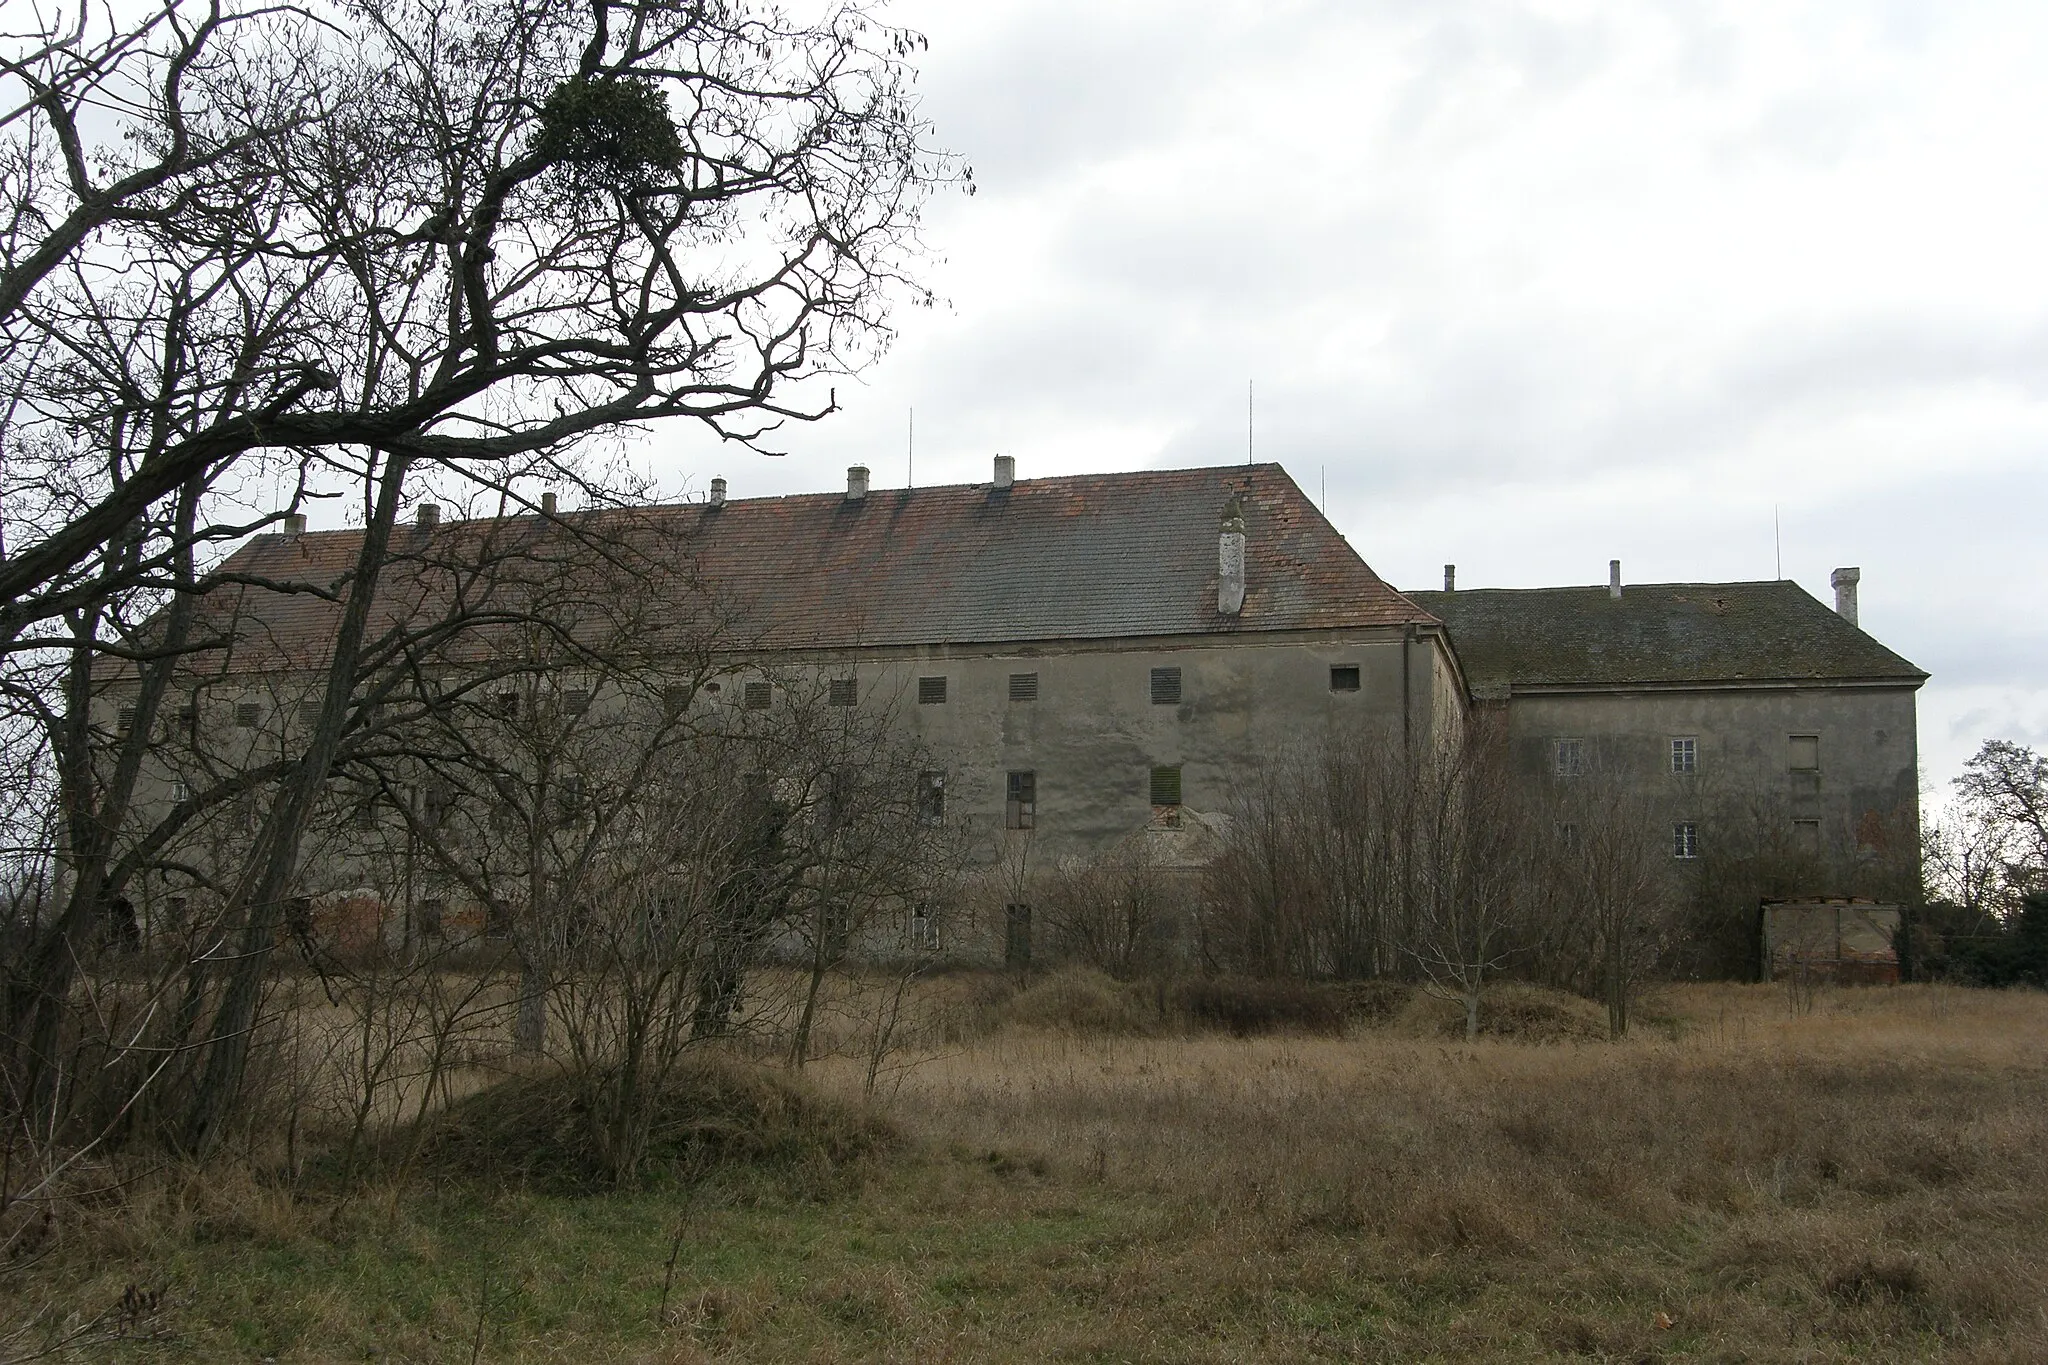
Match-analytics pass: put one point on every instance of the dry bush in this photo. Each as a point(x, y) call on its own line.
point(1083, 1000)
point(1514, 1012)
point(712, 1114)
point(1244, 1006)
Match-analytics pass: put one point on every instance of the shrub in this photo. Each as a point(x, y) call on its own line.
point(1082, 1000)
point(1244, 1006)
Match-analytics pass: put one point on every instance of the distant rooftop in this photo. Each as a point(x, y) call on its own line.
point(1657, 634)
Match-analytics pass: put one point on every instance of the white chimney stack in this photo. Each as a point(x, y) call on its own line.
point(1845, 581)
point(1450, 578)
point(295, 523)
point(1230, 561)
point(429, 515)
point(717, 498)
point(856, 483)
point(1614, 578)
point(1006, 470)
point(548, 504)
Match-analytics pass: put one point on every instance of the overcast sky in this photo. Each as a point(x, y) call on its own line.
point(1530, 285)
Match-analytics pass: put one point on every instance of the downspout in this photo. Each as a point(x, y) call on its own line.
point(1407, 686)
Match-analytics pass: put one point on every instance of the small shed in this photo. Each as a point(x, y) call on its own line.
point(1843, 939)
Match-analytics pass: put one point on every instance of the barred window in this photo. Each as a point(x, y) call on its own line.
point(931, 797)
point(576, 701)
point(1020, 801)
point(1165, 686)
point(1166, 786)
point(1568, 757)
point(843, 692)
point(1023, 687)
point(309, 713)
point(124, 719)
point(1344, 677)
point(931, 691)
point(757, 696)
point(248, 715)
point(1685, 754)
point(1685, 840)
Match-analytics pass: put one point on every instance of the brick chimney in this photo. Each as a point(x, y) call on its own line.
point(548, 504)
point(429, 516)
point(1006, 471)
point(1450, 578)
point(857, 483)
point(717, 498)
point(1845, 581)
point(1230, 560)
point(1614, 579)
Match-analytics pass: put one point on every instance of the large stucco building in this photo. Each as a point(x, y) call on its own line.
point(1086, 658)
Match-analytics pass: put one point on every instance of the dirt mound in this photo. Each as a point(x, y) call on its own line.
point(715, 1116)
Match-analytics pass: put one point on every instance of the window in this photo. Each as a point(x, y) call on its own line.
point(1020, 801)
point(570, 799)
point(1685, 754)
point(675, 699)
point(188, 719)
point(1166, 687)
point(248, 715)
point(124, 719)
point(1685, 840)
point(1568, 757)
point(1804, 754)
point(180, 793)
point(505, 705)
point(433, 918)
point(1568, 836)
point(1017, 936)
point(842, 692)
point(757, 696)
point(576, 701)
point(366, 811)
point(924, 930)
point(497, 920)
point(931, 798)
point(1023, 687)
point(1344, 677)
point(1806, 836)
point(1166, 786)
point(931, 691)
point(309, 713)
point(438, 801)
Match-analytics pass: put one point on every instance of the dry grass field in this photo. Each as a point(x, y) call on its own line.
point(1865, 1180)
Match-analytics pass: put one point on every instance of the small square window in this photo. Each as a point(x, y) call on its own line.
point(757, 696)
point(1568, 757)
point(1166, 786)
point(931, 797)
point(1685, 840)
point(1165, 686)
point(842, 692)
point(1803, 753)
point(1685, 754)
point(505, 705)
point(1344, 677)
point(309, 713)
point(1020, 801)
point(1023, 687)
point(576, 701)
point(248, 715)
point(1806, 836)
point(180, 793)
point(675, 699)
point(931, 691)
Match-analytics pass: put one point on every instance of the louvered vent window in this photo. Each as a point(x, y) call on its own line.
point(309, 713)
point(1166, 786)
point(576, 701)
point(931, 691)
point(1023, 687)
point(1344, 678)
point(843, 692)
point(125, 718)
point(248, 715)
point(1165, 687)
point(757, 696)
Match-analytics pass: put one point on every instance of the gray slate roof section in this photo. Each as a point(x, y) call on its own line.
point(1658, 634)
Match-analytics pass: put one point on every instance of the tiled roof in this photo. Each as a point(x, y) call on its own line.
point(1656, 633)
point(1081, 557)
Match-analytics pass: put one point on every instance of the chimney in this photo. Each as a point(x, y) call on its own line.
point(548, 504)
point(1614, 579)
point(1230, 561)
point(1845, 581)
point(1450, 578)
point(717, 498)
point(429, 515)
point(856, 483)
point(295, 523)
point(1006, 470)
